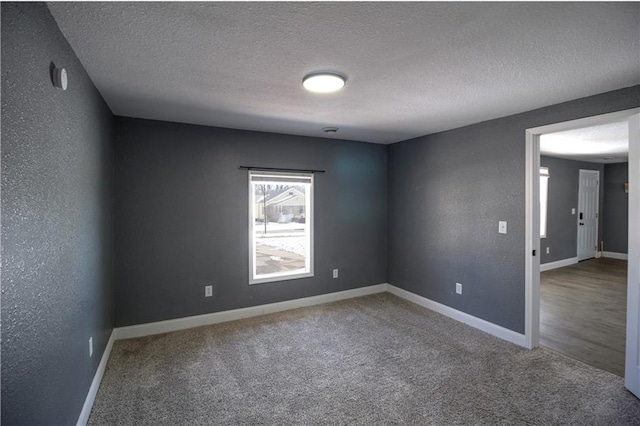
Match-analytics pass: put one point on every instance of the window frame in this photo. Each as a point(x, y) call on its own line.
point(255, 278)
point(544, 215)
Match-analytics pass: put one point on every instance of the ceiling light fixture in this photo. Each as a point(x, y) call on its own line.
point(323, 82)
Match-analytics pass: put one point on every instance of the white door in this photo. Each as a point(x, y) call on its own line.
point(588, 214)
point(632, 355)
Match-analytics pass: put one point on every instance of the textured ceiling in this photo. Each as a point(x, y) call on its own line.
point(595, 144)
point(412, 68)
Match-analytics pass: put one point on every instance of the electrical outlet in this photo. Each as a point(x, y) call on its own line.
point(90, 347)
point(335, 273)
point(502, 226)
point(458, 288)
point(547, 250)
point(208, 290)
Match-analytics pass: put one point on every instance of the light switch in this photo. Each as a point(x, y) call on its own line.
point(502, 226)
point(573, 211)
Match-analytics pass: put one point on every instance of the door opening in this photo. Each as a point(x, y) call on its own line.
point(532, 235)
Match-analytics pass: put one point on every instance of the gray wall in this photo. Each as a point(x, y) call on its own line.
point(562, 229)
point(56, 224)
point(182, 217)
point(616, 208)
point(447, 192)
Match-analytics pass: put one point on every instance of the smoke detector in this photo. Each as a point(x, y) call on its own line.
point(60, 78)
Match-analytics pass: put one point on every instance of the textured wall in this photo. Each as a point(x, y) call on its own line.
point(616, 208)
point(447, 192)
point(182, 217)
point(562, 228)
point(56, 224)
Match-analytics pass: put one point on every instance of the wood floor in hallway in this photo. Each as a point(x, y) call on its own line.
point(583, 312)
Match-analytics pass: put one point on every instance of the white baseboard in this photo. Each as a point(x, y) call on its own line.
point(95, 384)
point(235, 314)
point(614, 255)
point(598, 254)
point(199, 320)
point(480, 324)
point(218, 317)
point(558, 264)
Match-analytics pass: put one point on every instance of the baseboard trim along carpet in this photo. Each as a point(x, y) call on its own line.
point(159, 327)
point(373, 360)
point(95, 383)
point(615, 255)
point(475, 322)
point(558, 264)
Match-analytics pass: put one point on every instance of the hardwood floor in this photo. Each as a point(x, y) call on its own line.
point(583, 312)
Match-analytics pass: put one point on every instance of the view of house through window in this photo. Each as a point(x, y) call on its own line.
point(280, 226)
point(544, 196)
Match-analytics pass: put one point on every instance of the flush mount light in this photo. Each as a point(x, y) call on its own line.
point(323, 82)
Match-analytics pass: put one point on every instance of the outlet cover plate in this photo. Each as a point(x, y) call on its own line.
point(502, 226)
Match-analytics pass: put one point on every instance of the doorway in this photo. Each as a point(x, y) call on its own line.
point(532, 235)
point(583, 295)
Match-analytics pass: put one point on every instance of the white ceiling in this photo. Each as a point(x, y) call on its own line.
point(594, 144)
point(412, 68)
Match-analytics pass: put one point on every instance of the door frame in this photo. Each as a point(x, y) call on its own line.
point(632, 353)
point(532, 234)
point(597, 172)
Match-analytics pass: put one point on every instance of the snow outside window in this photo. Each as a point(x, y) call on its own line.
point(280, 226)
point(544, 197)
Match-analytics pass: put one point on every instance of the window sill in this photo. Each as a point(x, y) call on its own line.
point(280, 277)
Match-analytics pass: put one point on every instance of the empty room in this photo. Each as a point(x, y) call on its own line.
point(308, 212)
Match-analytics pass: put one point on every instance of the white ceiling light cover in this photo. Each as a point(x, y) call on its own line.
point(323, 82)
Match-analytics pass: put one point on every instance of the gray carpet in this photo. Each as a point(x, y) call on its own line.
point(372, 360)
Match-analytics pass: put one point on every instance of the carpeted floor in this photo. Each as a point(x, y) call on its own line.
point(371, 360)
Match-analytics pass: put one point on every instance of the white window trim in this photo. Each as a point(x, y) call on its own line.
point(544, 173)
point(309, 222)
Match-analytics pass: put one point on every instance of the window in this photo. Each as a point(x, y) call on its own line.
point(280, 226)
point(544, 196)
